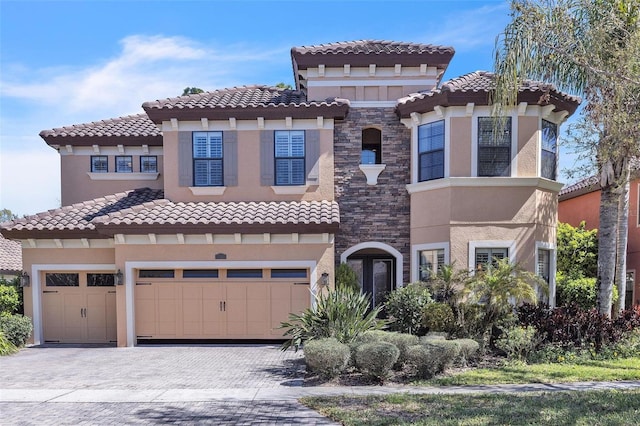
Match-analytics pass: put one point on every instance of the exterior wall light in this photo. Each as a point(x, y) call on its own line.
point(324, 279)
point(118, 277)
point(25, 279)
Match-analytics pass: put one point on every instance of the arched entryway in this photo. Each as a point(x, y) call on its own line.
point(379, 268)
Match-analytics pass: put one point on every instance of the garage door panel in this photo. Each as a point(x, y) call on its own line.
point(53, 316)
point(96, 315)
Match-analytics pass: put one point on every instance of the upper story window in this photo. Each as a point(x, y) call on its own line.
point(289, 157)
point(148, 164)
point(494, 146)
point(99, 164)
point(431, 151)
point(371, 146)
point(124, 164)
point(207, 159)
point(549, 150)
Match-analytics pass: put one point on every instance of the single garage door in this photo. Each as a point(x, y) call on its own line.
point(218, 304)
point(79, 307)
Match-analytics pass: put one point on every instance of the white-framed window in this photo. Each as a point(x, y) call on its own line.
point(207, 159)
point(549, 150)
point(628, 295)
point(148, 164)
point(124, 164)
point(289, 157)
point(490, 255)
point(431, 262)
point(543, 264)
point(481, 252)
point(99, 164)
point(431, 151)
point(494, 147)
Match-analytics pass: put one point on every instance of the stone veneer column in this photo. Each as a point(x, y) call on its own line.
point(373, 212)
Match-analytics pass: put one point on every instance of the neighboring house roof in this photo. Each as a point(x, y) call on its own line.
point(246, 102)
point(145, 210)
point(130, 130)
point(475, 88)
point(582, 187)
point(10, 256)
point(366, 52)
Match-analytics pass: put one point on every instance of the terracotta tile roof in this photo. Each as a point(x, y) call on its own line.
point(129, 130)
point(76, 221)
point(365, 52)
point(584, 186)
point(10, 255)
point(168, 217)
point(242, 102)
point(476, 86)
point(146, 209)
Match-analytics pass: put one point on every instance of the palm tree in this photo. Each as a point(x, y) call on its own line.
point(591, 47)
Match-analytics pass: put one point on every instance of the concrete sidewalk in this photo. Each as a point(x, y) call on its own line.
point(290, 393)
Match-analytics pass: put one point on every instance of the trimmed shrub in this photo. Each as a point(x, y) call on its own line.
point(327, 357)
point(6, 347)
point(433, 335)
point(16, 328)
point(432, 357)
point(15, 283)
point(9, 300)
point(376, 359)
point(468, 349)
point(438, 317)
point(518, 342)
point(346, 277)
point(405, 306)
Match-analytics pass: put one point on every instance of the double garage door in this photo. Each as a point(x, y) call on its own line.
point(79, 307)
point(218, 304)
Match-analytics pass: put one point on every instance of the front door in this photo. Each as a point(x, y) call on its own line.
point(376, 275)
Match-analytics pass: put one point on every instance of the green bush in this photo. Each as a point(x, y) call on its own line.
point(6, 347)
point(468, 349)
point(346, 277)
point(434, 335)
point(517, 342)
point(579, 291)
point(401, 340)
point(438, 317)
point(376, 359)
point(16, 328)
point(15, 283)
point(327, 357)
point(341, 313)
point(9, 300)
point(405, 306)
point(424, 359)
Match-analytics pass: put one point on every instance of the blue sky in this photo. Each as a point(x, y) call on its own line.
point(69, 62)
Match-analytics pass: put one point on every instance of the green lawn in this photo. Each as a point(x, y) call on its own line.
point(609, 370)
point(539, 408)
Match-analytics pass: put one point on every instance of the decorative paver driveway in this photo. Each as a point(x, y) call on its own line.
point(204, 384)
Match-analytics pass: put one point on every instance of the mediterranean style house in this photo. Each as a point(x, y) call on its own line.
point(581, 202)
point(215, 215)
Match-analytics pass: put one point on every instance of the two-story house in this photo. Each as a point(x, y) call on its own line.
point(231, 208)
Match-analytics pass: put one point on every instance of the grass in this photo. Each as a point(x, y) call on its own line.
point(608, 370)
point(557, 408)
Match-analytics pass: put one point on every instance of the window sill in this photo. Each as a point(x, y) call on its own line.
point(290, 190)
point(372, 171)
point(207, 190)
point(123, 176)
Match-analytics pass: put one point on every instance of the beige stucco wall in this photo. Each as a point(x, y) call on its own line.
point(77, 186)
point(249, 187)
point(528, 149)
point(461, 146)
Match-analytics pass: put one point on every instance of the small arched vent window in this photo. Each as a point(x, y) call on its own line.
point(371, 146)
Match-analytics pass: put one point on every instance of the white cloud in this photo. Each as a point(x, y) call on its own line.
point(470, 29)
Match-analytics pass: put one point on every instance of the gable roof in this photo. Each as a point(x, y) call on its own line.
point(475, 87)
point(10, 256)
point(147, 211)
point(365, 52)
point(246, 102)
point(581, 187)
point(129, 130)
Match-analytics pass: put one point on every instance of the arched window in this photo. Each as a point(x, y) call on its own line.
point(371, 146)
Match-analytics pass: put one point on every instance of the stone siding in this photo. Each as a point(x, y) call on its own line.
point(373, 213)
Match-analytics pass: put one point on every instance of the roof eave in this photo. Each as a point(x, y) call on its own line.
point(307, 59)
point(102, 140)
point(24, 234)
point(242, 228)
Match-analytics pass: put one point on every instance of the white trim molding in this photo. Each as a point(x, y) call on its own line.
point(552, 268)
point(123, 176)
point(207, 190)
point(473, 245)
point(382, 246)
point(36, 289)
point(131, 266)
point(415, 257)
point(452, 182)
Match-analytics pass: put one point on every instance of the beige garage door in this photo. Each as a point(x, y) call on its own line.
point(218, 304)
point(79, 307)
